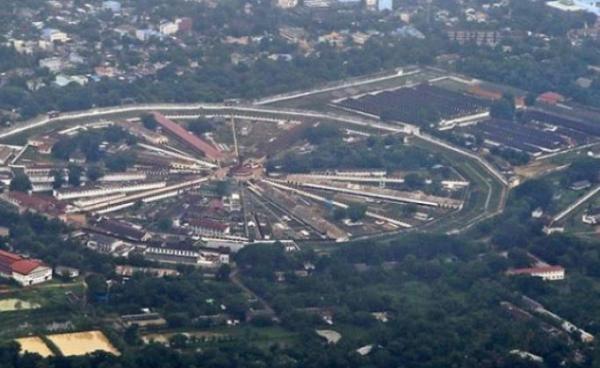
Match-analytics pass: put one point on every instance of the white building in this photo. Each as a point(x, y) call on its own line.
point(168, 28)
point(54, 64)
point(24, 271)
point(54, 35)
point(547, 273)
point(287, 4)
point(113, 6)
point(106, 190)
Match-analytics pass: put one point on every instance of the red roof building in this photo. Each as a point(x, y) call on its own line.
point(189, 138)
point(551, 98)
point(25, 271)
point(38, 203)
point(209, 226)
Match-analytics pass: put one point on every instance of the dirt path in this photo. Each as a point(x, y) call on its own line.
point(235, 279)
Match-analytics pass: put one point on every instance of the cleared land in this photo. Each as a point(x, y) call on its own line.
point(81, 343)
point(34, 345)
point(13, 304)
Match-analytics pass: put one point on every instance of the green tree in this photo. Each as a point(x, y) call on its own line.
point(504, 108)
point(164, 224)
point(132, 335)
point(59, 179)
point(356, 211)
point(223, 272)
point(20, 183)
point(95, 172)
point(200, 126)
point(149, 121)
point(74, 175)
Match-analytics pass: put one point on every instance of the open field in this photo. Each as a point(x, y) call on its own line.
point(34, 345)
point(81, 343)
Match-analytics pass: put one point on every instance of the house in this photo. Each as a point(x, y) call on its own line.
point(551, 98)
point(54, 64)
point(168, 28)
point(41, 204)
point(24, 271)
point(547, 273)
point(113, 6)
point(66, 272)
point(549, 230)
point(580, 185)
point(591, 217)
point(103, 244)
point(121, 229)
point(207, 226)
point(537, 213)
point(287, 4)
point(54, 35)
point(43, 144)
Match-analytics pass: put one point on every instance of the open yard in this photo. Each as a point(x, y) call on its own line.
point(81, 343)
point(13, 304)
point(35, 345)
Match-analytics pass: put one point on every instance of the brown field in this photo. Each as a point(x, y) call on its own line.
point(81, 343)
point(34, 344)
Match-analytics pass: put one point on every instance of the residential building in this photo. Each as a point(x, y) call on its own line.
point(580, 185)
point(103, 244)
point(591, 217)
point(24, 271)
point(550, 98)
point(489, 38)
point(385, 5)
point(168, 28)
point(121, 229)
point(547, 273)
point(371, 4)
point(209, 227)
point(66, 272)
point(54, 64)
point(113, 6)
point(54, 35)
point(41, 204)
point(287, 4)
